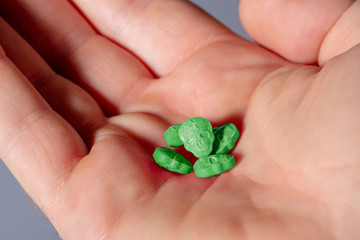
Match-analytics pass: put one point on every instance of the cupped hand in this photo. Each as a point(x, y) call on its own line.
point(87, 96)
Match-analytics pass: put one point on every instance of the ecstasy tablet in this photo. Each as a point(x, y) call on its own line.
point(225, 138)
point(171, 160)
point(172, 136)
point(213, 165)
point(197, 135)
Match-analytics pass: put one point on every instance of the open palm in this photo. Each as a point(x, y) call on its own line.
point(82, 148)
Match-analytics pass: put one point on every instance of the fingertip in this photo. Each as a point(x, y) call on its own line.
point(343, 36)
point(294, 30)
point(279, 26)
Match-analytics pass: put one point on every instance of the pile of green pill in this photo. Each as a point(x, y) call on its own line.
point(210, 145)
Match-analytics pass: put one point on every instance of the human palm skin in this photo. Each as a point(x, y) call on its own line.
point(87, 163)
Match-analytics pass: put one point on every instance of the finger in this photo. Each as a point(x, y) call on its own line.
point(38, 146)
point(293, 30)
point(103, 185)
point(71, 102)
point(32, 20)
point(338, 86)
point(344, 35)
point(118, 172)
point(104, 69)
point(162, 33)
point(109, 73)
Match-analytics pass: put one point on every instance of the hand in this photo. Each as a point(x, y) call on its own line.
point(86, 161)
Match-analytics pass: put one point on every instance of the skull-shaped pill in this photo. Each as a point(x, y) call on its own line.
point(225, 138)
point(171, 160)
point(172, 136)
point(197, 135)
point(212, 165)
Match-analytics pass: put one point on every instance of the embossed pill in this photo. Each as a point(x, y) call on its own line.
point(225, 138)
point(171, 160)
point(197, 135)
point(213, 165)
point(172, 136)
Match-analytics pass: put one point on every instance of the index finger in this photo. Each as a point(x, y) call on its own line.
point(162, 33)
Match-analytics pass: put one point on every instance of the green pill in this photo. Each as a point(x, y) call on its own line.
point(172, 136)
point(225, 138)
point(171, 160)
point(197, 135)
point(213, 165)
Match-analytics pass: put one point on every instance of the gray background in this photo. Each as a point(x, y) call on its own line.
point(19, 217)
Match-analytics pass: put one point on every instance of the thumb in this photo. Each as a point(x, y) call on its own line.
point(344, 35)
point(303, 31)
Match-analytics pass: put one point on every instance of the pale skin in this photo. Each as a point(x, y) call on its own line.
point(80, 141)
